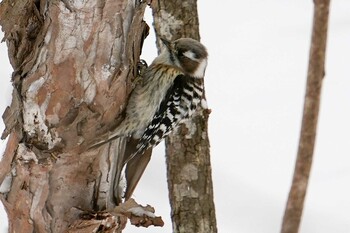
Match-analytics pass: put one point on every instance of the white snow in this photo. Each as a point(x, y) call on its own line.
point(139, 211)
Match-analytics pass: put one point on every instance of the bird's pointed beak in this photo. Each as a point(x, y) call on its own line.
point(166, 43)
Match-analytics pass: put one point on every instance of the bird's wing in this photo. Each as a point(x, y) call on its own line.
point(181, 100)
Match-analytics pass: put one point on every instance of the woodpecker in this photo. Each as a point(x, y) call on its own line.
point(169, 92)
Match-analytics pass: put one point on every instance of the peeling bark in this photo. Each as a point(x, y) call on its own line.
point(74, 63)
point(316, 72)
point(188, 154)
point(108, 221)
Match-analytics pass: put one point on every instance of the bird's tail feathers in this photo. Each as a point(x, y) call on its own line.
point(107, 138)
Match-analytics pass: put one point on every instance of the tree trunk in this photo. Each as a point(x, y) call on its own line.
point(188, 155)
point(316, 72)
point(74, 62)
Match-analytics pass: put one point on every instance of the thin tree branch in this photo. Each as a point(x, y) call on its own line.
point(316, 72)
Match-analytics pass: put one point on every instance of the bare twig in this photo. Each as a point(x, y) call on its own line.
point(294, 208)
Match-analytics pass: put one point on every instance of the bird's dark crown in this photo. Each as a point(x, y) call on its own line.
point(183, 45)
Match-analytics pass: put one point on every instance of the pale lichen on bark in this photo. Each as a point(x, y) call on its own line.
point(188, 174)
point(168, 24)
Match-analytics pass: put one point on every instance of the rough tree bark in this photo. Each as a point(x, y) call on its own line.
point(188, 155)
point(316, 72)
point(74, 63)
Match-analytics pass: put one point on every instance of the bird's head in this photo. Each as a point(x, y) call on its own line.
point(187, 54)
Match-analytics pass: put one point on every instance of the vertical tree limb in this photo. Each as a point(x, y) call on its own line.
point(316, 72)
point(187, 149)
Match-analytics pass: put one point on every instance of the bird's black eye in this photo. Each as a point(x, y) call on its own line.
point(180, 53)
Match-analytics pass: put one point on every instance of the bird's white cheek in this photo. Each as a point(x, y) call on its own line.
point(199, 73)
point(190, 55)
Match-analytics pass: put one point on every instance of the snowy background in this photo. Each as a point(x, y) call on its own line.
point(255, 84)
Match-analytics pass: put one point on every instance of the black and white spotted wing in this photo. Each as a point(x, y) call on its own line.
point(180, 102)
